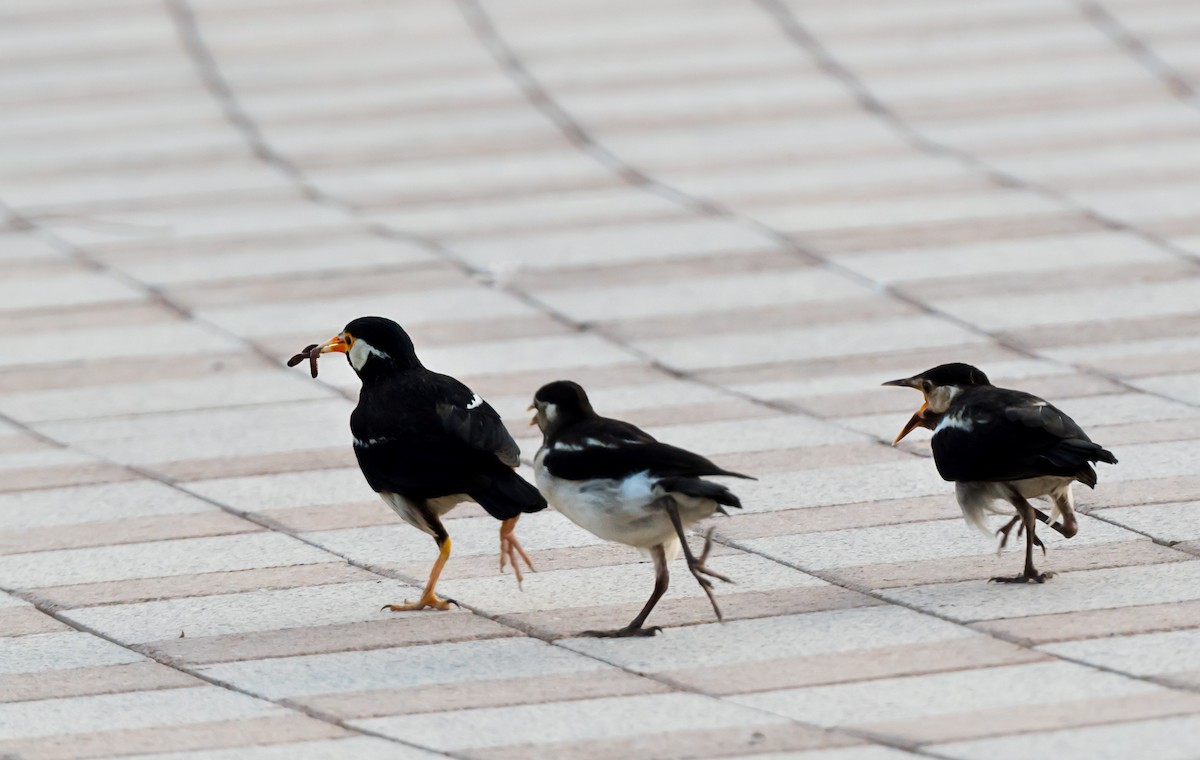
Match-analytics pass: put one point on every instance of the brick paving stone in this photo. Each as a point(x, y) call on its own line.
point(223, 614)
point(129, 710)
point(52, 651)
point(583, 720)
point(915, 697)
point(411, 667)
point(156, 558)
point(1167, 738)
point(365, 747)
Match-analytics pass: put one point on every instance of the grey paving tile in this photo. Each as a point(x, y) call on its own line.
point(55, 651)
point(745, 641)
point(284, 490)
point(269, 610)
point(84, 504)
point(702, 295)
point(562, 721)
point(1150, 654)
point(406, 668)
point(982, 259)
point(622, 584)
point(913, 542)
point(213, 390)
point(1167, 738)
point(73, 289)
point(171, 339)
point(149, 439)
point(156, 558)
point(863, 752)
point(365, 747)
point(388, 544)
point(555, 250)
point(328, 316)
point(1085, 590)
point(138, 709)
point(1166, 522)
point(945, 694)
point(810, 343)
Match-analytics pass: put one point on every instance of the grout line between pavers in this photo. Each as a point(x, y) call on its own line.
point(1137, 48)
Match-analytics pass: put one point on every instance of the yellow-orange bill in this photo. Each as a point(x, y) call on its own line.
point(335, 345)
point(914, 422)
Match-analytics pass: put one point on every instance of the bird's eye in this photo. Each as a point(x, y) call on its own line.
point(927, 386)
point(348, 338)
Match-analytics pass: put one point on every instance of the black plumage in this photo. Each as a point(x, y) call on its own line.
point(617, 481)
point(1013, 436)
point(1001, 445)
point(425, 442)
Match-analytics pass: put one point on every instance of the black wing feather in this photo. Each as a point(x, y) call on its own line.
point(603, 448)
point(1014, 436)
point(425, 443)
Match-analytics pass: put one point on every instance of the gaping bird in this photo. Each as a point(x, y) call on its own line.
point(1002, 446)
point(616, 481)
point(425, 443)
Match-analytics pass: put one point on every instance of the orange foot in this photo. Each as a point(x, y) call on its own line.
point(430, 601)
point(511, 549)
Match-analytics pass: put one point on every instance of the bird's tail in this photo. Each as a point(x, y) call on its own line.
point(508, 495)
point(701, 489)
point(1104, 455)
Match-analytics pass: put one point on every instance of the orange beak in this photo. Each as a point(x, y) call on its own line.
point(533, 421)
point(335, 345)
point(918, 419)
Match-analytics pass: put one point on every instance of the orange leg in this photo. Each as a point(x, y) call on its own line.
point(511, 550)
point(428, 598)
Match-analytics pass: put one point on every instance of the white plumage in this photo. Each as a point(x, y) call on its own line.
point(622, 510)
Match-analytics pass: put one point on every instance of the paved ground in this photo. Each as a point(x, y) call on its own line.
point(731, 221)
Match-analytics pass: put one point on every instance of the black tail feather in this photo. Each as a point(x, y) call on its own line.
point(701, 489)
point(508, 495)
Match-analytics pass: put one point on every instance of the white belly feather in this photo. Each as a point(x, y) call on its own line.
point(620, 510)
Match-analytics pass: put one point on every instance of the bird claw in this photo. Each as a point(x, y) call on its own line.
point(430, 601)
point(700, 565)
point(511, 551)
point(624, 633)
point(699, 570)
point(1023, 578)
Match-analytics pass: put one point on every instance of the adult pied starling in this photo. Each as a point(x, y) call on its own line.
point(616, 481)
point(425, 442)
point(1001, 448)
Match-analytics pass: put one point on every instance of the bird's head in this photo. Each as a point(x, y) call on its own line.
point(940, 386)
point(373, 345)
point(559, 404)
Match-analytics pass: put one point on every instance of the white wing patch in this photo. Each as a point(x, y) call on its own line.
point(965, 424)
point(475, 401)
point(370, 441)
point(588, 443)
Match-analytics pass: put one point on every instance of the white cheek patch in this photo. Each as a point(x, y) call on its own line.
point(476, 402)
point(361, 351)
point(551, 412)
